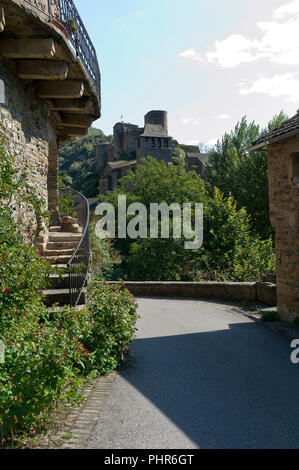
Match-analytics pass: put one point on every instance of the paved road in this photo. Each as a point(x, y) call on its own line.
point(202, 376)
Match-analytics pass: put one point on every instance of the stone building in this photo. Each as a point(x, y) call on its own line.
point(195, 160)
point(113, 172)
point(282, 146)
point(130, 144)
point(51, 78)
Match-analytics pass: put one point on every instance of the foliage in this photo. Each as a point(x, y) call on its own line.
point(77, 162)
point(114, 315)
point(270, 316)
point(242, 174)
point(105, 258)
point(229, 252)
point(15, 190)
point(46, 356)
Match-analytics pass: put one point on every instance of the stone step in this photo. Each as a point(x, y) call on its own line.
point(60, 282)
point(62, 252)
point(62, 245)
point(54, 260)
point(54, 229)
point(64, 237)
point(60, 297)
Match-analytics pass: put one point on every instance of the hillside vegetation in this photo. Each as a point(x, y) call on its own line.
point(77, 163)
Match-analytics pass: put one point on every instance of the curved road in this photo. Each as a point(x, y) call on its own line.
point(202, 376)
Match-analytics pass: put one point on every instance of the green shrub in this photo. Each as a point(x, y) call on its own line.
point(114, 315)
point(47, 355)
point(270, 316)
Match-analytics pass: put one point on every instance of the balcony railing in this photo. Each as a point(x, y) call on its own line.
point(66, 15)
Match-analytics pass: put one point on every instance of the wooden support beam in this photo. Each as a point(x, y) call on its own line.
point(77, 131)
point(79, 120)
point(60, 89)
point(42, 70)
point(27, 48)
point(2, 17)
point(83, 105)
point(61, 53)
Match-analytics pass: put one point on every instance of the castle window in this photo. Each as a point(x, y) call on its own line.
point(295, 170)
point(159, 142)
point(153, 142)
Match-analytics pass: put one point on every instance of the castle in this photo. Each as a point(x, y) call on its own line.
point(132, 143)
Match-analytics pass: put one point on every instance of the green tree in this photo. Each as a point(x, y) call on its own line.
point(229, 250)
point(243, 174)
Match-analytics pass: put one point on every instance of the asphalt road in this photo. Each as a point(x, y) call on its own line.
point(202, 376)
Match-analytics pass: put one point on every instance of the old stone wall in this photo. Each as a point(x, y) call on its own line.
point(25, 124)
point(284, 212)
point(238, 291)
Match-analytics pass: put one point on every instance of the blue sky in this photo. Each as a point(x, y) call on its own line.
point(207, 62)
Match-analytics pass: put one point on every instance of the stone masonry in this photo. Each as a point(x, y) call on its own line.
point(27, 127)
point(284, 213)
point(282, 145)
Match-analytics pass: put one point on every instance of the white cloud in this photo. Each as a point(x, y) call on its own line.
point(190, 120)
point(286, 85)
point(279, 43)
point(191, 54)
point(223, 116)
point(287, 9)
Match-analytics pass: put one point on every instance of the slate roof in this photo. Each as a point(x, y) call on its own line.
point(121, 164)
point(203, 157)
point(287, 129)
point(154, 130)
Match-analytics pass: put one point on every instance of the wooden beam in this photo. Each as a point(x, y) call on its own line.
point(80, 120)
point(61, 53)
point(60, 89)
point(83, 105)
point(42, 70)
point(27, 48)
point(77, 131)
point(2, 17)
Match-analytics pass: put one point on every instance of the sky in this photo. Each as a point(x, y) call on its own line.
point(207, 62)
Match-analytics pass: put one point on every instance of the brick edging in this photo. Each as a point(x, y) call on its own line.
point(83, 419)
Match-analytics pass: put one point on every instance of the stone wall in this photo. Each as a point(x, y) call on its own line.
point(284, 213)
point(238, 291)
point(25, 124)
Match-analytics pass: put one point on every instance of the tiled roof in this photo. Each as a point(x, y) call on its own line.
point(121, 164)
point(154, 130)
point(287, 129)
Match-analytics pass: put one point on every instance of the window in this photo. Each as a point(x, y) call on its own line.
point(295, 170)
point(159, 142)
point(153, 142)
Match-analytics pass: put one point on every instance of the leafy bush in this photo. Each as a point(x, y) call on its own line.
point(105, 258)
point(46, 355)
point(114, 315)
point(229, 252)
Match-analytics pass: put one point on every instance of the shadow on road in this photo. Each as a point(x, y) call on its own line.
point(234, 388)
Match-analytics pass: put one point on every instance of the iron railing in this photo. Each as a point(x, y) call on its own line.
point(76, 205)
point(65, 13)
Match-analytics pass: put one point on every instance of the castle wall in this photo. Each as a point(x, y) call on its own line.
point(25, 124)
point(160, 153)
point(284, 213)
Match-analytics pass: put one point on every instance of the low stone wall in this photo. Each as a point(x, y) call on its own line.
point(249, 291)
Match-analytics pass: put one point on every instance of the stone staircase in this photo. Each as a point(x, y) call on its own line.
point(58, 251)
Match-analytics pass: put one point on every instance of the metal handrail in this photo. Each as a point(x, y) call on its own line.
point(79, 263)
point(65, 13)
